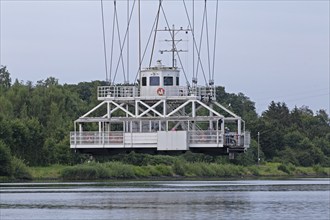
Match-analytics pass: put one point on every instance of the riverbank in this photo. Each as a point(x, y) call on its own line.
point(119, 170)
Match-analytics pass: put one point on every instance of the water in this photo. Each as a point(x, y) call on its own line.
point(243, 199)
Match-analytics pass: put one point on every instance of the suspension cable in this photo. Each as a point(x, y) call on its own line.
point(112, 42)
point(154, 42)
point(125, 37)
point(104, 44)
point(139, 28)
point(200, 45)
point(215, 37)
point(119, 39)
point(194, 40)
point(127, 68)
point(208, 44)
point(192, 31)
point(145, 49)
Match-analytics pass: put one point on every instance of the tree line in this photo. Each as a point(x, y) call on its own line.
point(36, 118)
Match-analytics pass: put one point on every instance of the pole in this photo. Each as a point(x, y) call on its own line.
point(173, 46)
point(258, 147)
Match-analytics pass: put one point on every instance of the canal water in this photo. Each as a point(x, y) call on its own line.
point(237, 199)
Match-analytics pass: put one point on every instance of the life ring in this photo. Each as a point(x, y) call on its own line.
point(160, 91)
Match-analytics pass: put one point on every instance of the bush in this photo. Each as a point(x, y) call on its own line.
point(254, 170)
point(179, 168)
point(141, 171)
point(139, 159)
point(231, 170)
point(164, 170)
point(284, 168)
point(120, 170)
point(80, 172)
point(20, 170)
point(5, 160)
point(319, 170)
point(93, 171)
point(196, 157)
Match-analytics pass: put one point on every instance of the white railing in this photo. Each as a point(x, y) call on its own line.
point(96, 138)
point(213, 137)
point(117, 91)
point(134, 91)
point(205, 137)
point(177, 91)
point(203, 91)
point(195, 137)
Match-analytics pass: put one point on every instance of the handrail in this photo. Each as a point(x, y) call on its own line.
point(194, 137)
point(133, 91)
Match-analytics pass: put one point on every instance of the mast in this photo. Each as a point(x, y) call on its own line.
point(174, 41)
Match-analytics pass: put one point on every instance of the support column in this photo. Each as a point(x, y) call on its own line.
point(211, 114)
point(100, 133)
point(80, 133)
point(239, 126)
point(164, 108)
point(239, 131)
point(109, 110)
point(193, 114)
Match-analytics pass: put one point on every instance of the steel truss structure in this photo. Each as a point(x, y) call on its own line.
point(192, 120)
point(157, 114)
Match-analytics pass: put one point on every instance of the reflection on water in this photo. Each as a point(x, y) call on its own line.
point(250, 199)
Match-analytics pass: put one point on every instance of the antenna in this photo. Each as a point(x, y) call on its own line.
point(174, 41)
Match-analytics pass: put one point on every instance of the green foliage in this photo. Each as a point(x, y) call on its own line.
point(138, 159)
point(179, 168)
point(284, 168)
point(35, 121)
point(196, 157)
point(5, 160)
point(118, 170)
point(82, 172)
point(11, 166)
point(5, 80)
point(251, 156)
point(298, 136)
point(20, 170)
point(92, 171)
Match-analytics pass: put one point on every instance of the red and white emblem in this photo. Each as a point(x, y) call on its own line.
point(160, 91)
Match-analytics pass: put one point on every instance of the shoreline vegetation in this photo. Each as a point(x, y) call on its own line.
point(36, 118)
point(161, 167)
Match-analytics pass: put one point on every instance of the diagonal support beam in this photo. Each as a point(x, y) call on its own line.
point(208, 108)
point(120, 107)
point(178, 108)
point(225, 109)
point(150, 108)
point(95, 108)
point(115, 109)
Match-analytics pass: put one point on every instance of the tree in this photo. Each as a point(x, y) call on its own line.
point(278, 112)
point(5, 80)
point(5, 160)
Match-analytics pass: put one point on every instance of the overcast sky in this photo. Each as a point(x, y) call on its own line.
point(268, 50)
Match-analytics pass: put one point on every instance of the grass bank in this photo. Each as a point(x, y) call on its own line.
point(120, 170)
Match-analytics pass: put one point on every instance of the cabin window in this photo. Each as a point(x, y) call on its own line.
point(168, 81)
point(154, 81)
point(177, 80)
point(144, 81)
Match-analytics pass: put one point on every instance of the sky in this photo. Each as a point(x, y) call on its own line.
point(268, 50)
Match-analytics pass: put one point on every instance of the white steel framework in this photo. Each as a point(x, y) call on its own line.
point(158, 113)
point(193, 120)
